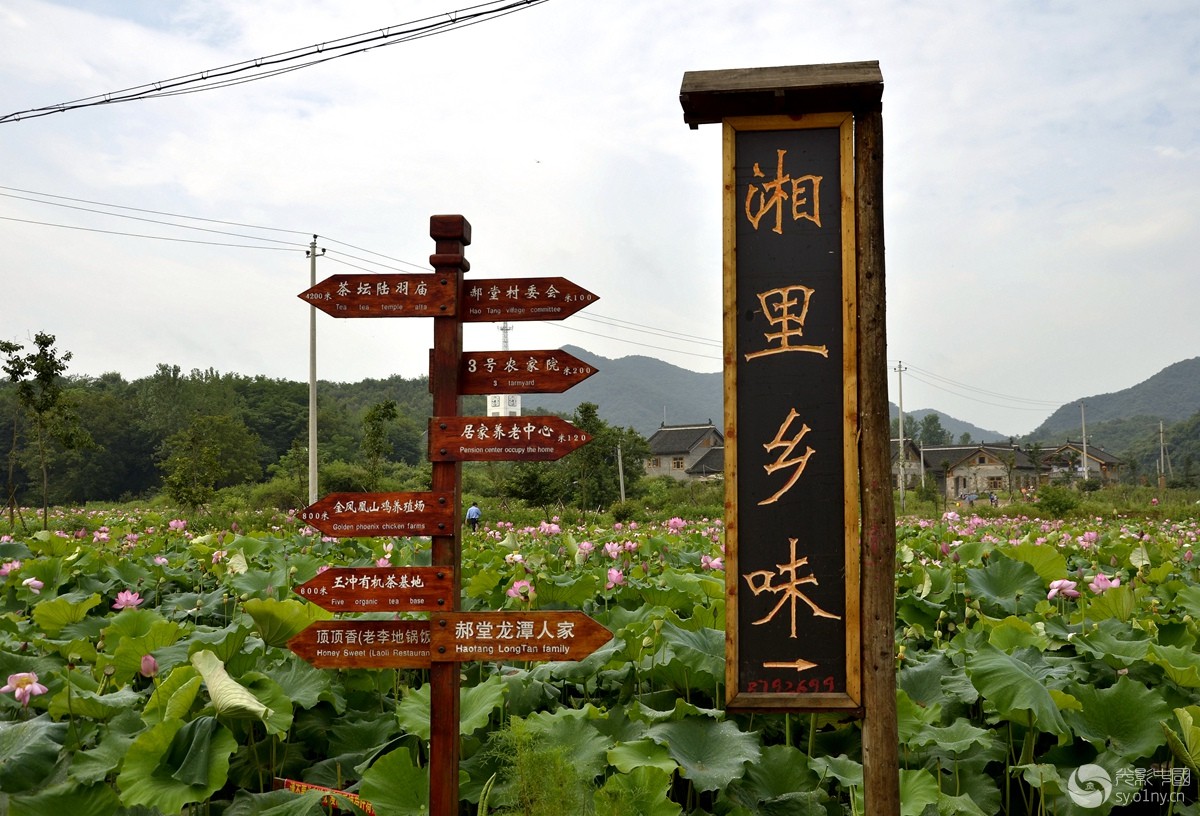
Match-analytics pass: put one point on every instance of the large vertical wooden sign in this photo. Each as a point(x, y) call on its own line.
point(793, 637)
point(790, 398)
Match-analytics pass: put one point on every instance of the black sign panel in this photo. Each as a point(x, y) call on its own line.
point(792, 416)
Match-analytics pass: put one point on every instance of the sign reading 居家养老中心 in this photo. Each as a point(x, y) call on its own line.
point(792, 489)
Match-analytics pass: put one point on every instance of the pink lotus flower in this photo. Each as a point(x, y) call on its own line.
point(1062, 587)
point(612, 549)
point(1102, 582)
point(149, 667)
point(177, 524)
point(161, 560)
point(382, 562)
point(710, 563)
point(127, 600)
point(218, 555)
point(9, 566)
point(23, 685)
point(35, 586)
point(521, 589)
point(615, 578)
point(676, 524)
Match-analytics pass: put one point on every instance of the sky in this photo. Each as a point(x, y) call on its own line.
point(1041, 182)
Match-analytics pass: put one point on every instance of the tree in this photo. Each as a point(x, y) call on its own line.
point(210, 453)
point(930, 432)
point(375, 443)
point(39, 381)
point(591, 475)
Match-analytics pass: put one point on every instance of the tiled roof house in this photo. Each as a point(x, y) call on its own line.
point(686, 452)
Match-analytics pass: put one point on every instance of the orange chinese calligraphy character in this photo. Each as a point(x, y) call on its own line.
point(779, 306)
point(804, 192)
point(788, 590)
point(786, 458)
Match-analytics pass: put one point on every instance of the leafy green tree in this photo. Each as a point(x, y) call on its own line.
point(930, 432)
point(210, 453)
point(376, 446)
point(39, 379)
point(590, 474)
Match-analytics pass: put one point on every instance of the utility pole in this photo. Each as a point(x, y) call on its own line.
point(312, 377)
point(900, 369)
point(1083, 421)
point(621, 472)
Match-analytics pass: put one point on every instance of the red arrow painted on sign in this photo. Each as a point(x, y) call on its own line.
point(398, 295)
point(509, 635)
point(502, 439)
point(522, 299)
point(520, 372)
point(379, 589)
point(347, 515)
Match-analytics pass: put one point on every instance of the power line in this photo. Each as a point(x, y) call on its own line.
point(297, 248)
point(286, 61)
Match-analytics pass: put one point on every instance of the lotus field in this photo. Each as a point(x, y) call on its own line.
point(1043, 666)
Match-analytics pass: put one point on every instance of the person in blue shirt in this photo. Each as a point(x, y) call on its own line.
point(473, 515)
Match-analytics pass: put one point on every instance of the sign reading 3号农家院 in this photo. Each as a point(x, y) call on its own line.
point(790, 397)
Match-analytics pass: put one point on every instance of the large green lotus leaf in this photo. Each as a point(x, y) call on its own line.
point(1015, 687)
point(918, 788)
point(1047, 560)
point(280, 621)
point(278, 718)
point(44, 542)
point(962, 805)
point(279, 803)
point(1013, 632)
point(229, 697)
point(643, 791)
point(394, 786)
point(923, 678)
point(304, 685)
point(1182, 666)
point(173, 696)
point(710, 753)
point(483, 583)
point(846, 771)
point(1188, 600)
point(1123, 718)
point(566, 591)
point(130, 623)
point(476, 704)
point(627, 756)
point(570, 730)
point(1117, 644)
point(260, 583)
point(679, 590)
point(1006, 587)
point(1185, 744)
point(165, 773)
point(52, 615)
point(90, 767)
point(912, 719)
point(701, 651)
point(1117, 602)
point(127, 658)
point(780, 771)
point(75, 702)
point(28, 752)
point(67, 797)
point(956, 738)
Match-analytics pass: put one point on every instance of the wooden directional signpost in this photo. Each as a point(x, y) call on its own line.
point(451, 637)
point(348, 515)
point(521, 372)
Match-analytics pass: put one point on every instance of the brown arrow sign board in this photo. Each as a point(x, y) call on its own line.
point(521, 372)
point(522, 299)
point(493, 439)
point(397, 295)
point(347, 515)
point(364, 644)
point(379, 589)
point(511, 635)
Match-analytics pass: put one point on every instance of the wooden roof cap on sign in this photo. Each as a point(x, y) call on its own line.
point(710, 96)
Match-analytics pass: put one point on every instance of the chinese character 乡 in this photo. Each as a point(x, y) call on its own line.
point(786, 458)
point(786, 309)
point(804, 192)
point(788, 589)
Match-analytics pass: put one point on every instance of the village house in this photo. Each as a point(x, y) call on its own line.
point(686, 452)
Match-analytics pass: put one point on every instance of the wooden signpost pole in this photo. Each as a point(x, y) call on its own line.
point(451, 235)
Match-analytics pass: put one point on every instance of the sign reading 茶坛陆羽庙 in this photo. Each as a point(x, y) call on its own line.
point(791, 404)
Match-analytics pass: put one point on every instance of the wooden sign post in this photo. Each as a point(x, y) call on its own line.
point(454, 637)
point(809, 582)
